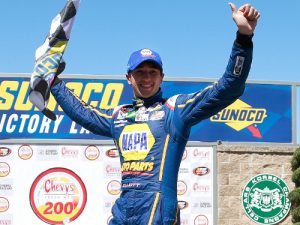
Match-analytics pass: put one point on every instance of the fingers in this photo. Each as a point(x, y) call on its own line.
point(249, 12)
point(232, 6)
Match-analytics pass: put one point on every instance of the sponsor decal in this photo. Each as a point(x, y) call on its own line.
point(240, 115)
point(131, 185)
point(265, 199)
point(181, 187)
point(58, 196)
point(112, 153)
point(146, 52)
point(201, 154)
point(47, 153)
point(157, 115)
point(238, 67)
point(201, 220)
point(108, 204)
point(6, 187)
point(92, 152)
point(201, 171)
point(25, 152)
point(4, 169)
point(113, 170)
point(4, 204)
point(119, 125)
point(141, 114)
point(201, 188)
point(120, 122)
point(202, 205)
point(137, 168)
point(183, 170)
point(6, 219)
point(69, 152)
point(114, 187)
point(135, 141)
point(142, 117)
point(182, 204)
point(4, 151)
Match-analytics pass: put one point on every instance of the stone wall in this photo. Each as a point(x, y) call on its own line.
point(237, 164)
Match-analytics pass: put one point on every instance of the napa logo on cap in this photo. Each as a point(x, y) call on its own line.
point(146, 52)
point(135, 141)
point(239, 115)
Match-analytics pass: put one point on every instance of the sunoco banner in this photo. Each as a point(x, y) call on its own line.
point(262, 114)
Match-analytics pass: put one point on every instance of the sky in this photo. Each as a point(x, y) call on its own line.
point(193, 37)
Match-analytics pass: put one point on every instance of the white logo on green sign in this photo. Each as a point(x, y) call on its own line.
point(265, 199)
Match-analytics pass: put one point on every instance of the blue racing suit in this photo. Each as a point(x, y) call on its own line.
point(151, 135)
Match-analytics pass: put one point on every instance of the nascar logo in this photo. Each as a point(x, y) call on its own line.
point(135, 141)
point(240, 115)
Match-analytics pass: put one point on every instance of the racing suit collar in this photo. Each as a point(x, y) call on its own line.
point(147, 102)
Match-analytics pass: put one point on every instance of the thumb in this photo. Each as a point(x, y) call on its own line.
point(232, 6)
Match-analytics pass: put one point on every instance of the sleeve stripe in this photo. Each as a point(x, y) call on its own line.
point(91, 107)
point(193, 99)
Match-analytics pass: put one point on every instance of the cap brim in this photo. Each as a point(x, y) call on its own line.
point(145, 60)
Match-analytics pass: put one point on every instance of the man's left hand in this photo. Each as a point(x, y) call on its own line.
point(245, 17)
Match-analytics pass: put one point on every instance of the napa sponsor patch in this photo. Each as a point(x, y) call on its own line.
point(135, 142)
point(240, 115)
point(137, 168)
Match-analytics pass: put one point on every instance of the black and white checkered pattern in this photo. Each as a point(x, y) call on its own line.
point(49, 61)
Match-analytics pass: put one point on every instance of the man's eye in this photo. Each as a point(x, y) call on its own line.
point(138, 72)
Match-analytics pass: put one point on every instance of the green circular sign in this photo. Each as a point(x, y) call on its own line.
point(265, 199)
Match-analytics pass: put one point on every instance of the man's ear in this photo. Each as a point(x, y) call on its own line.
point(162, 77)
point(128, 76)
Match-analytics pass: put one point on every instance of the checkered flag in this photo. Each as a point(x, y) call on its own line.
point(48, 57)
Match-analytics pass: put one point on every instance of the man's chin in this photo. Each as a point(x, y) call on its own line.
point(146, 94)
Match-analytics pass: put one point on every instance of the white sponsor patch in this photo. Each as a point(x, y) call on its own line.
point(238, 67)
point(157, 115)
point(142, 117)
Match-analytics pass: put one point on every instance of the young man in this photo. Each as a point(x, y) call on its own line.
point(152, 132)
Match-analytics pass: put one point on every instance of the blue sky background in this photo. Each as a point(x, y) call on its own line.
point(194, 37)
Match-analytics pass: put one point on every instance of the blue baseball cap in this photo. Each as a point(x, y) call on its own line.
point(141, 56)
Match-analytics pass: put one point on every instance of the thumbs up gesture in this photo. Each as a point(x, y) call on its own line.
point(245, 17)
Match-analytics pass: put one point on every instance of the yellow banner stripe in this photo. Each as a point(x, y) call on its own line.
point(163, 157)
point(154, 208)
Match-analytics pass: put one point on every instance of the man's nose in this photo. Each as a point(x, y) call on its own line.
point(146, 75)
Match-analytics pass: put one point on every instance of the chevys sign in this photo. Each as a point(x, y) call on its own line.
point(262, 114)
